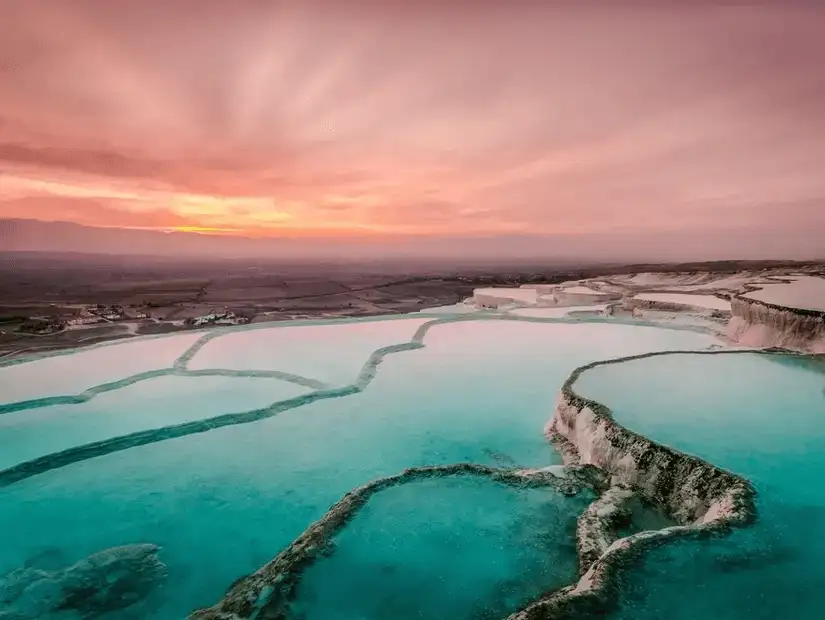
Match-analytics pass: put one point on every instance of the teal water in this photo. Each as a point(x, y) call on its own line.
point(457, 547)
point(760, 416)
point(154, 403)
point(459, 308)
point(72, 373)
point(224, 502)
point(333, 353)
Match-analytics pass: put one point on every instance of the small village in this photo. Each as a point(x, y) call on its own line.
point(100, 314)
point(217, 318)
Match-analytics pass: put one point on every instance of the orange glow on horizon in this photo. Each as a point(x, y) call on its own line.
point(331, 119)
point(204, 229)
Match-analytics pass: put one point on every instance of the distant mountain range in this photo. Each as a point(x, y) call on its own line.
point(28, 235)
point(40, 236)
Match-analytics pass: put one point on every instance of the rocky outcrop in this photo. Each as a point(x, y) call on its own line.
point(689, 489)
point(761, 324)
point(108, 581)
point(700, 497)
point(596, 528)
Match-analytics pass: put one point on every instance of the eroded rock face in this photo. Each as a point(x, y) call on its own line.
point(597, 527)
point(689, 489)
point(107, 581)
point(700, 497)
point(760, 324)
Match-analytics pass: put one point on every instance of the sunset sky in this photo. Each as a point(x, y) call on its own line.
point(384, 119)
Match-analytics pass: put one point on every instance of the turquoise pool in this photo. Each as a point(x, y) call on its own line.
point(758, 415)
point(458, 547)
point(221, 503)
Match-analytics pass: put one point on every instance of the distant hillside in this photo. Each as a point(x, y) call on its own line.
point(27, 235)
point(35, 235)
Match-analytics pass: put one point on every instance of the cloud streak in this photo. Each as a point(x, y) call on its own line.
point(433, 119)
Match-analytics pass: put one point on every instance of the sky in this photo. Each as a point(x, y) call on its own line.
point(371, 122)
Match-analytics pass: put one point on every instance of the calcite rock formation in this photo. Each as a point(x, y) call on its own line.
point(700, 497)
point(760, 324)
point(107, 581)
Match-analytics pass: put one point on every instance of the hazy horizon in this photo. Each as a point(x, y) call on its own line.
point(22, 235)
point(625, 131)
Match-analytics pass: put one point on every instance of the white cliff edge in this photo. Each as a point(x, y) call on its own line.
point(756, 323)
point(697, 495)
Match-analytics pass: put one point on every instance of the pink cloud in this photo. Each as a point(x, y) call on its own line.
point(417, 117)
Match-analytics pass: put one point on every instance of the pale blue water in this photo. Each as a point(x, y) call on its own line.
point(764, 418)
point(333, 352)
point(154, 403)
point(457, 547)
point(224, 502)
point(73, 373)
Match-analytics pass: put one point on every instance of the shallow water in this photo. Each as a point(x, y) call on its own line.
point(459, 308)
point(701, 301)
point(72, 373)
point(555, 313)
point(525, 295)
point(477, 548)
point(805, 292)
point(760, 416)
point(581, 290)
point(154, 403)
point(333, 353)
point(222, 503)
